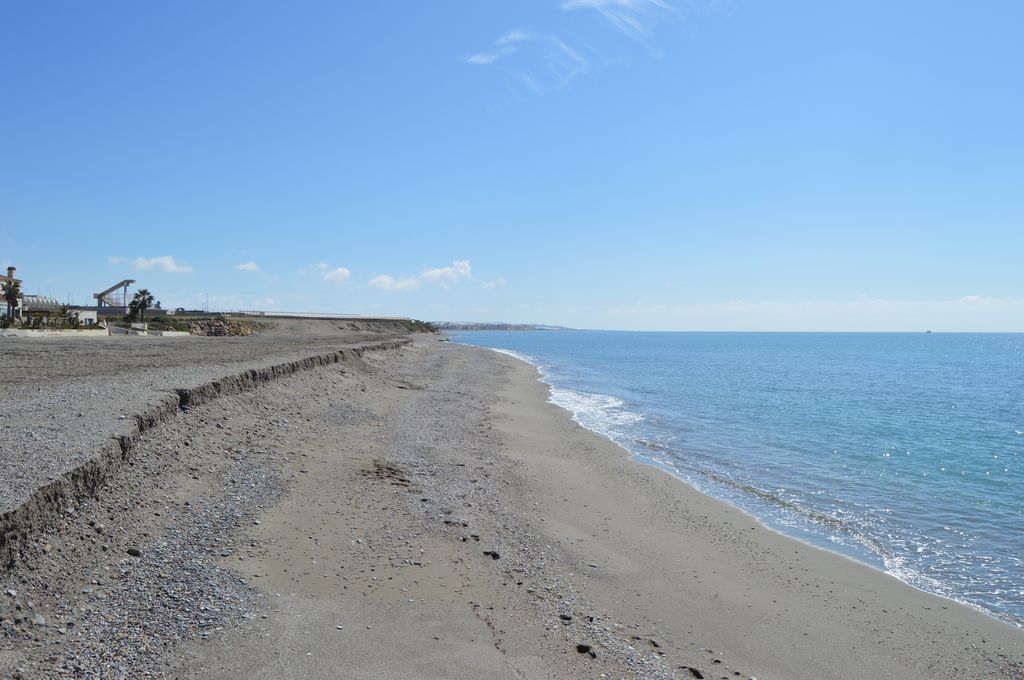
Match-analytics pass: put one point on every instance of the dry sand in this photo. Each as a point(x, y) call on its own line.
point(424, 513)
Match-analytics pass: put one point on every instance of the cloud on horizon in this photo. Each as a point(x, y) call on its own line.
point(388, 282)
point(336, 276)
point(976, 313)
point(458, 270)
point(495, 283)
point(164, 263)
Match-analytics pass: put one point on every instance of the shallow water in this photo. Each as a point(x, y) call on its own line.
point(905, 451)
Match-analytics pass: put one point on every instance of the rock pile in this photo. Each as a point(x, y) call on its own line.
point(219, 327)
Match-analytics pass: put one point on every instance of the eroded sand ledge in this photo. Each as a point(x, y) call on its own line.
point(423, 512)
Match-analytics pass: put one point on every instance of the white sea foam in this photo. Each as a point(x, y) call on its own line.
point(604, 414)
point(516, 355)
point(601, 413)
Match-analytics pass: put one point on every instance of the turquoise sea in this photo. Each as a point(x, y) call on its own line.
point(905, 451)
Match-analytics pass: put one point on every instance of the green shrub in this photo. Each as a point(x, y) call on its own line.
point(417, 326)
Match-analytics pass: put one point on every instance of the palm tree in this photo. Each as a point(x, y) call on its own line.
point(66, 317)
point(142, 301)
point(12, 293)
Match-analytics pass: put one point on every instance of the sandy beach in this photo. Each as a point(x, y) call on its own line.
point(420, 511)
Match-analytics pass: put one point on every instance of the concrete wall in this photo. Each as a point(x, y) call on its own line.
point(117, 330)
point(43, 333)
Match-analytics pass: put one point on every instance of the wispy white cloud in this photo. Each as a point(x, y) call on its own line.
point(247, 267)
point(542, 61)
point(484, 58)
point(534, 62)
point(388, 282)
point(316, 269)
point(514, 36)
point(456, 271)
point(164, 263)
point(495, 283)
point(506, 44)
point(337, 276)
point(633, 18)
point(531, 83)
point(565, 62)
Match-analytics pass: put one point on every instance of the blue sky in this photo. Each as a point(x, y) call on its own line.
point(647, 164)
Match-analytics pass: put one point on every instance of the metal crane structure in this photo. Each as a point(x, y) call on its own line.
point(109, 297)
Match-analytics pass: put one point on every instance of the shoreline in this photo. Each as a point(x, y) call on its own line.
point(865, 589)
point(425, 512)
point(995, 616)
point(861, 556)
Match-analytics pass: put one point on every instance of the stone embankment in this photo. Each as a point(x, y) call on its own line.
point(221, 327)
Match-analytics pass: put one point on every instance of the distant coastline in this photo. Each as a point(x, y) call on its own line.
point(494, 326)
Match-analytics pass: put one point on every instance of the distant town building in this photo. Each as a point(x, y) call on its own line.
point(39, 307)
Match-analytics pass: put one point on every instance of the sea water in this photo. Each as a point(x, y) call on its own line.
point(905, 451)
